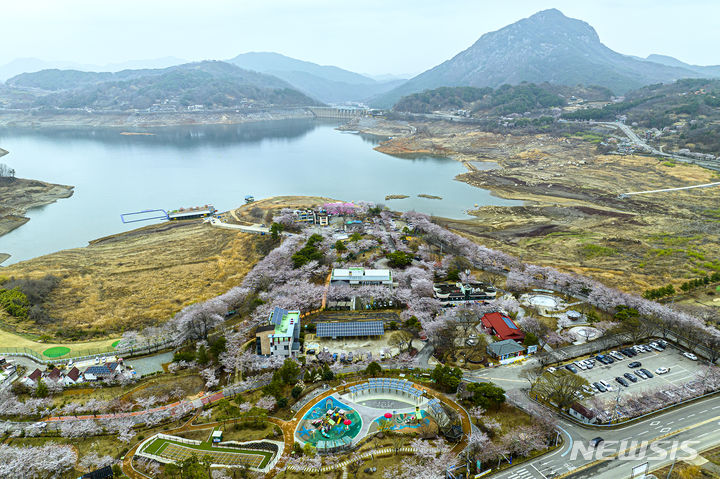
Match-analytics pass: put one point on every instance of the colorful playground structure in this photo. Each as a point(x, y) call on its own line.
point(337, 422)
point(330, 425)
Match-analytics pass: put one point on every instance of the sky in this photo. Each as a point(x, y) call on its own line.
point(367, 36)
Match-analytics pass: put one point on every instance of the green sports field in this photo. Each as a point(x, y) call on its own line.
point(177, 451)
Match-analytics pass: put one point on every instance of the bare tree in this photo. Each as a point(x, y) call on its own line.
point(560, 387)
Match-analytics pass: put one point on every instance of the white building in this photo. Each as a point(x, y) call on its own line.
point(361, 276)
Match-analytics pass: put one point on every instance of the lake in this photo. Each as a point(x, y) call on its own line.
point(218, 165)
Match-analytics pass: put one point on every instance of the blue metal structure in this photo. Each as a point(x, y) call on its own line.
point(164, 216)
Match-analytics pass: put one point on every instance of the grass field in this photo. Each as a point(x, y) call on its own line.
point(56, 352)
point(178, 451)
point(9, 341)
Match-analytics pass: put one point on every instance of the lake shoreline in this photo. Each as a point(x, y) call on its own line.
point(49, 119)
point(19, 195)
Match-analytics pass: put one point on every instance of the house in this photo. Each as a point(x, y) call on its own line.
point(461, 292)
point(505, 349)
point(581, 413)
point(102, 371)
point(54, 375)
point(72, 377)
point(32, 378)
point(281, 337)
point(502, 326)
point(361, 276)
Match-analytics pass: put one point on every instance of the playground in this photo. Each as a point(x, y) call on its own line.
point(381, 404)
point(330, 424)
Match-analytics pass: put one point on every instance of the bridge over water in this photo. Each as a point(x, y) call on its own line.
point(337, 112)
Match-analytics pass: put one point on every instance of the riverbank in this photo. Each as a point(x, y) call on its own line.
point(18, 195)
point(573, 218)
point(54, 119)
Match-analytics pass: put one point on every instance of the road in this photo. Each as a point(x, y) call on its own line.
point(698, 421)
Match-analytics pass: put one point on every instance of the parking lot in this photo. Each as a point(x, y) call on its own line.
point(681, 369)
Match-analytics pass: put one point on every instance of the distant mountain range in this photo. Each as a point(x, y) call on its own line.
point(328, 84)
point(31, 65)
point(212, 84)
point(546, 47)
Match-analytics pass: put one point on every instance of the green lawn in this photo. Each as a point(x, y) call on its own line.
point(158, 445)
point(56, 351)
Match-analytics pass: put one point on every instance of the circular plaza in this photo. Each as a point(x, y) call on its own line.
point(341, 420)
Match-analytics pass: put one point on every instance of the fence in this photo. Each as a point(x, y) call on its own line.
point(88, 353)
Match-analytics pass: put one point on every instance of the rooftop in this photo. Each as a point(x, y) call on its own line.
point(284, 321)
point(507, 346)
point(345, 329)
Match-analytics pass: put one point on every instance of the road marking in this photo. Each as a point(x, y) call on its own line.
point(703, 435)
point(716, 407)
point(691, 415)
point(655, 423)
point(644, 432)
point(543, 475)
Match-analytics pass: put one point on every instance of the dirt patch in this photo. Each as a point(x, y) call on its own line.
point(141, 277)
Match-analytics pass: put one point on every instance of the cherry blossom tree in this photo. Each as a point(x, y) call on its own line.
point(47, 461)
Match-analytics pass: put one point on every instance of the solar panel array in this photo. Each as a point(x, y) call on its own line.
point(350, 329)
point(387, 384)
point(508, 322)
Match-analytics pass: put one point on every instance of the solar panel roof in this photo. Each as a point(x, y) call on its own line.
point(350, 329)
point(509, 322)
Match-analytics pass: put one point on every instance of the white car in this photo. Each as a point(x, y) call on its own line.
point(662, 370)
point(551, 369)
point(690, 356)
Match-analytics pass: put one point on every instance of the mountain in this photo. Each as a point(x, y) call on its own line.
point(709, 71)
point(212, 84)
point(329, 84)
point(31, 65)
point(526, 97)
point(546, 47)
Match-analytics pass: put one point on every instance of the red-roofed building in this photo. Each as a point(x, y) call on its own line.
point(502, 325)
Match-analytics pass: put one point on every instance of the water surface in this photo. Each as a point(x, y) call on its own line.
point(219, 165)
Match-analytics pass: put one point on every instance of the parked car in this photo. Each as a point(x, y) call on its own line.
point(655, 346)
point(690, 356)
point(662, 370)
point(628, 352)
point(350, 357)
point(647, 373)
point(587, 390)
point(551, 369)
point(635, 364)
point(631, 377)
point(621, 381)
point(616, 355)
point(581, 365)
point(596, 441)
point(571, 368)
point(641, 374)
point(662, 343)
point(590, 364)
point(600, 387)
point(607, 385)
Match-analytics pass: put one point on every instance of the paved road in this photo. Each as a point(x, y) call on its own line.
point(696, 421)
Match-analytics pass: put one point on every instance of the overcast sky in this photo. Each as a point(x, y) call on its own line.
point(368, 36)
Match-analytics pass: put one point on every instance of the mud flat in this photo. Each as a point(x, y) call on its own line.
point(17, 195)
point(142, 119)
